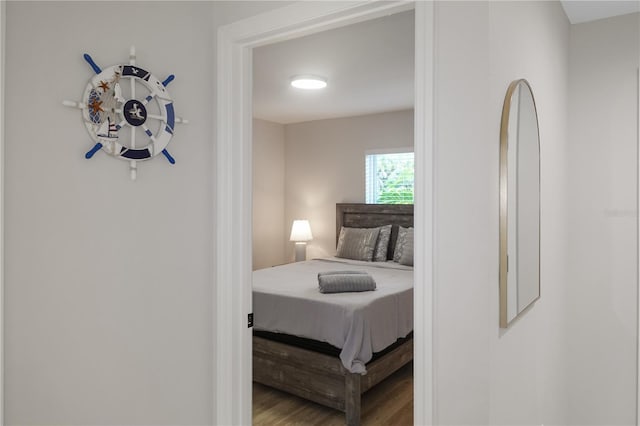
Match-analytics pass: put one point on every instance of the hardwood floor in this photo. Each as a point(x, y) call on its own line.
point(388, 403)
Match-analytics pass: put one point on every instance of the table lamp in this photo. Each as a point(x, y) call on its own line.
point(301, 233)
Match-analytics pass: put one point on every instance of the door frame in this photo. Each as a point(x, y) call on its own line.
point(3, 26)
point(233, 199)
point(638, 252)
point(3, 29)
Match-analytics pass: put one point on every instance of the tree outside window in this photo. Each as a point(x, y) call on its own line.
point(389, 178)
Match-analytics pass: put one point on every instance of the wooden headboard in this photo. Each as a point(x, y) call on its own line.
point(355, 215)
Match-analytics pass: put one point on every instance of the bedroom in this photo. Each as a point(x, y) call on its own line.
point(111, 324)
point(309, 148)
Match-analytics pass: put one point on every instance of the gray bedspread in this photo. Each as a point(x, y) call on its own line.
point(286, 299)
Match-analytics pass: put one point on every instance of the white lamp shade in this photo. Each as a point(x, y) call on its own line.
point(300, 231)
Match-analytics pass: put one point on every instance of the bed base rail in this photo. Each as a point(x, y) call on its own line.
point(322, 378)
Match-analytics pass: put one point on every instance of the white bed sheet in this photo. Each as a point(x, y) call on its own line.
point(286, 299)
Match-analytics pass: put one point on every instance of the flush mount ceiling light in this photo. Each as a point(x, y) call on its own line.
point(308, 82)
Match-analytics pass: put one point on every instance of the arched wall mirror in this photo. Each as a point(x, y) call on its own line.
point(519, 203)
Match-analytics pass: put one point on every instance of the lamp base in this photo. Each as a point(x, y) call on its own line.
point(301, 252)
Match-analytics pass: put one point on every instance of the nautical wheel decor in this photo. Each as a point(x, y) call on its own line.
point(118, 114)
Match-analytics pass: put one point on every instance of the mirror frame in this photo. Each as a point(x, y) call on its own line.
point(504, 142)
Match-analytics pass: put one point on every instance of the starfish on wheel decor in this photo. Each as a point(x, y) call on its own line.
point(118, 114)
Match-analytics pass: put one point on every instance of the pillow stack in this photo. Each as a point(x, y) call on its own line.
point(369, 244)
point(372, 244)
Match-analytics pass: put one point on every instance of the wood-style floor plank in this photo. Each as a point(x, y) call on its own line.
point(388, 403)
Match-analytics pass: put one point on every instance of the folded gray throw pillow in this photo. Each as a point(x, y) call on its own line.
point(351, 281)
point(341, 273)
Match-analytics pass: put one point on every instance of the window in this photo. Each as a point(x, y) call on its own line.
point(389, 178)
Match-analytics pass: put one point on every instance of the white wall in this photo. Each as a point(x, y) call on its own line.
point(602, 292)
point(485, 375)
point(528, 381)
point(325, 162)
point(107, 280)
point(269, 232)
point(465, 208)
point(108, 313)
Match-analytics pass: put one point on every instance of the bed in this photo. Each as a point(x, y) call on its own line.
point(347, 342)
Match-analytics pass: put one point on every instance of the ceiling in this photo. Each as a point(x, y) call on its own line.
point(368, 66)
point(579, 11)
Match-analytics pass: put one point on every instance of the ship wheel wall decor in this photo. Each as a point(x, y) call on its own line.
point(118, 114)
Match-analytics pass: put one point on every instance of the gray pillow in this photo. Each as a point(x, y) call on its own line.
point(382, 245)
point(357, 243)
point(401, 243)
point(406, 258)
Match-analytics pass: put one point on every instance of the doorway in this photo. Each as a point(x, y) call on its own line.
point(233, 267)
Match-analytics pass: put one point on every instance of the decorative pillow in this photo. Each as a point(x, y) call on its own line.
point(382, 245)
point(357, 243)
point(401, 242)
point(406, 258)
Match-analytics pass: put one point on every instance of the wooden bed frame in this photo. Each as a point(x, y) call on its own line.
point(322, 378)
